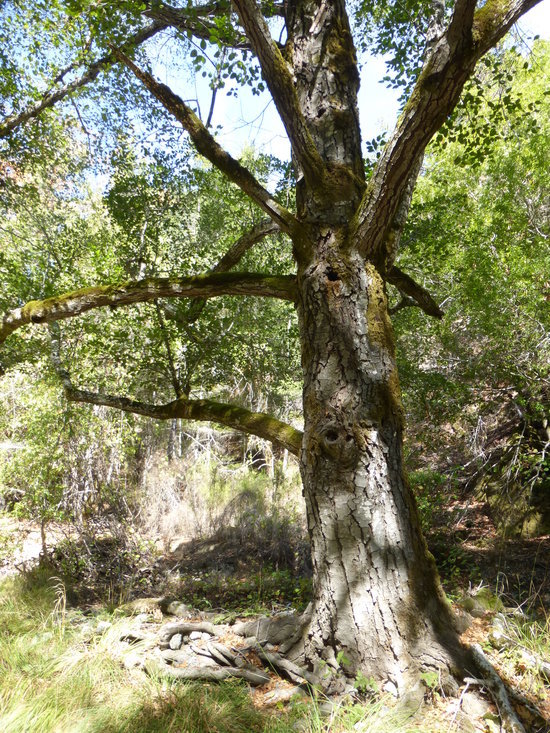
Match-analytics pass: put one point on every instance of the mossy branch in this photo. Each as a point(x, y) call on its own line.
point(494, 20)
point(207, 146)
point(253, 423)
point(69, 305)
point(447, 68)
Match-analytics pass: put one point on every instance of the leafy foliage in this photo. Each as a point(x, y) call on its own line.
point(397, 31)
point(479, 231)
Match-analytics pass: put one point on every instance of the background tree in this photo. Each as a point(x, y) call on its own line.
point(476, 382)
point(377, 604)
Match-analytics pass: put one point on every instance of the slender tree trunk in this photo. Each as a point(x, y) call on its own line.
point(378, 606)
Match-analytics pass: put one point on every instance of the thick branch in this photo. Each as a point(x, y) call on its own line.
point(460, 26)
point(434, 97)
point(238, 418)
point(195, 19)
point(76, 302)
point(207, 146)
point(283, 90)
point(92, 72)
point(408, 287)
point(494, 20)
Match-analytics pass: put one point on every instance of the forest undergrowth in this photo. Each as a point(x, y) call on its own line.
point(64, 667)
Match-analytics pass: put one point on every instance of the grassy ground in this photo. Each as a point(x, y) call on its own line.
point(55, 677)
point(58, 676)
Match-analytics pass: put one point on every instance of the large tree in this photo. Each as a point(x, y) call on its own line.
point(378, 607)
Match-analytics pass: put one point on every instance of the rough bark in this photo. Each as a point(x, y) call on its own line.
point(79, 301)
point(321, 52)
point(279, 79)
point(378, 606)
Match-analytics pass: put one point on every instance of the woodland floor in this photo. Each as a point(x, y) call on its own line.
point(229, 574)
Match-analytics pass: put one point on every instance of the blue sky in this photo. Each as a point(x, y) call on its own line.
point(248, 120)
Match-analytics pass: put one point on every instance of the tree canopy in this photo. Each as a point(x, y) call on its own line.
point(82, 92)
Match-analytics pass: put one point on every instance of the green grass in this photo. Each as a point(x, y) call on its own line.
point(526, 644)
point(58, 676)
point(55, 677)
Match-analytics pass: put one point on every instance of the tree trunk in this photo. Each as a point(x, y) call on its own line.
point(378, 606)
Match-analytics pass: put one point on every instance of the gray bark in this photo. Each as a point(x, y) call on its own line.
point(323, 58)
point(378, 606)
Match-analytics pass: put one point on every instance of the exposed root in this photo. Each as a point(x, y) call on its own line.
point(492, 681)
point(187, 627)
point(193, 650)
point(253, 677)
point(286, 668)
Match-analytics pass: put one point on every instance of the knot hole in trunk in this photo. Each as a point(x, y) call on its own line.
point(339, 444)
point(332, 275)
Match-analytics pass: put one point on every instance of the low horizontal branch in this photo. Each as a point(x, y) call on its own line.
point(204, 410)
point(238, 418)
point(79, 301)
